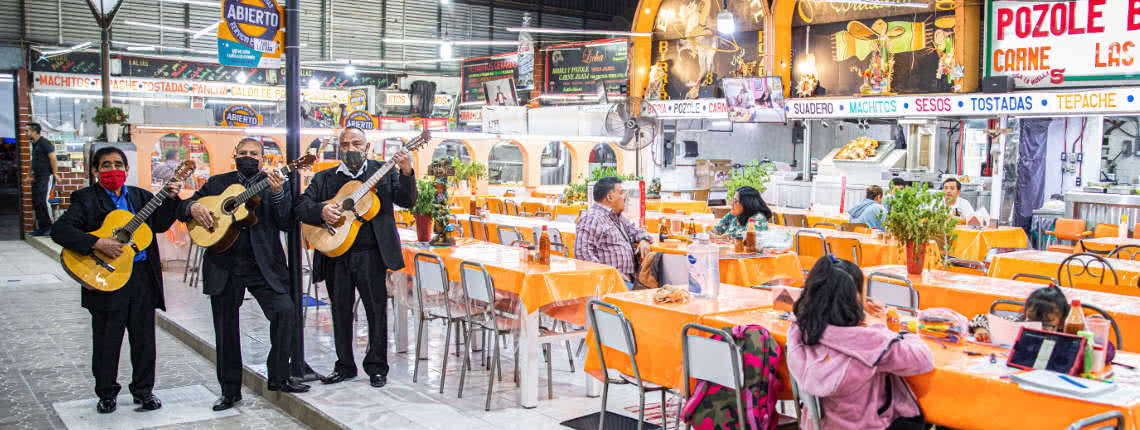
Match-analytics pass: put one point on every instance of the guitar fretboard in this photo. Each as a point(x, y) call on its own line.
point(257, 188)
point(141, 216)
point(383, 170)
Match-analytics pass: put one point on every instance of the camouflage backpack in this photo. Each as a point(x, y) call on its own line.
point(713, 406)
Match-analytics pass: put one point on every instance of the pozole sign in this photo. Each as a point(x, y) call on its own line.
point(1063, 43)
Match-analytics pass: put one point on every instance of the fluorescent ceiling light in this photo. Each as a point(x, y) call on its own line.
point(445, 51)
point(214, 5)
point(314, 84)
point(339, 62)
point(66, 50)
point(158, 27)
point(239, 102)
point(577, 31)
point(350, 70)
point(724, 23)
point(207, 29)
point(132, 46)
point(879, 3)
point(455, 42)
point(140, 48)
point(242, 77)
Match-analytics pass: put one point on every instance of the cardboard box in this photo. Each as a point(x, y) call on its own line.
point(712, 173)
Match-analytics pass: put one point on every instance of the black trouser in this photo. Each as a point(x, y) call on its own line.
point(362, 270)
point(278, 309)
point(107, 338)
point(40, 203)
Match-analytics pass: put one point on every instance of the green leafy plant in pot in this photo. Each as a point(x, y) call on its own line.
point(112, 119)
point(468, 173)
point(754, 174)
point(426, 209)
point(917, 217)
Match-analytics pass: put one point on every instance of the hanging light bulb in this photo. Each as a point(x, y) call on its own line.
point(445, 50)
point(445, 2)
point(724, 22)
point(350, 70)
point(242, 77)
point(314, 84)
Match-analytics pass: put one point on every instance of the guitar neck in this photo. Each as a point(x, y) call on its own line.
point(260, 186)
point(141, 216)
point(372, 180)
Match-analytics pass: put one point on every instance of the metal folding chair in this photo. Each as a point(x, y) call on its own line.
point(1104, 418)
point(1085, 264)
point(810, 402)
point(1086, 306)
point(1126, 252)
point(613, 330)
point(1048, 279)
point(971, 267)
point(855, 228)
point(893, 290)
point(714, 360)
point(479, 228)
point(508, 234)
point(432, 276)
point(826, 225)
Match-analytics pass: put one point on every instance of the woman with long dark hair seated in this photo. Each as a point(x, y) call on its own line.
point(747, 207)
point(853, 369)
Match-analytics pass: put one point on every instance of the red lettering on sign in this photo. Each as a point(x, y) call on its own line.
point(1057, 18)
point(1133, 13)
point(1094, 15)
point(1005, 18)
point(1021, 27)
point(1038, 30)
point(1073, 19)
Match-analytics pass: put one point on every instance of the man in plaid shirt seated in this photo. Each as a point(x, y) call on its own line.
point(604, 236)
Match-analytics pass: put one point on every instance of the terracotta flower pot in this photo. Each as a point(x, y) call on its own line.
point(915, 257)
point(423, 228)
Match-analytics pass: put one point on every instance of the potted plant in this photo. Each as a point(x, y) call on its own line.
point(112, 119)
point(916, 217)
point(424, 211)
point(754, 174)
point(467, 174)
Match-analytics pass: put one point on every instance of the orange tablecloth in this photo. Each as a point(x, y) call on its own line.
point(973, 244)
point(747, 270)
point(563, 280)
point(874, 251)
point(1046, 263)
point(972, 295)
point(957, 393)
point(1108, 243)
point(657, 330)
point(689, 206)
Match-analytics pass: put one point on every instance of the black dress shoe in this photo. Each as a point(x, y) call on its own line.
point(336, 377)
point(289, 386)
point(226, 402)
point(106, 406)
point(378, 381)
point(147, 403)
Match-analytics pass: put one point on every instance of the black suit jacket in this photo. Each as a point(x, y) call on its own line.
point(88, 208)
point(394, 188)
point(264, 238)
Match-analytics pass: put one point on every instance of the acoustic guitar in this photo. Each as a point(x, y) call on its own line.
point(235, 208)
point(359, 204)
point(97, 271)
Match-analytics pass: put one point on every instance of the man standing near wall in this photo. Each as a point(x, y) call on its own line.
point(44, 172)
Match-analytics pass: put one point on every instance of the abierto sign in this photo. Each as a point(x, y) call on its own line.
point(1063, 43)
point(251, 33)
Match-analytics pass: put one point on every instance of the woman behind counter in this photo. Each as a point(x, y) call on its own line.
point(747, 207)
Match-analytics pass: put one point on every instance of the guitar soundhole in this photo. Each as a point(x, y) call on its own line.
point(228, 206)
point(121, 235)
point(348, 205)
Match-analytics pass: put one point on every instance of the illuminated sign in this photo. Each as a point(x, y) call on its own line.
point(251, 33)
point(360, 119)
point(240, 116)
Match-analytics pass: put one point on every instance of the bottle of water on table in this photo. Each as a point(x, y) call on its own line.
point(704, 267)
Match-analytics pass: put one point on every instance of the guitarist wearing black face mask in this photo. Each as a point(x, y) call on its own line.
point(255, 262)
point(364, 267)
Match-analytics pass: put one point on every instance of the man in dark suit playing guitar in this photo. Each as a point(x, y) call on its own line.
point(131, 307)
point(255, 262)
point(364, 267)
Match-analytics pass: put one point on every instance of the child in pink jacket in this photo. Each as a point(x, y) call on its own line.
point(831, 355)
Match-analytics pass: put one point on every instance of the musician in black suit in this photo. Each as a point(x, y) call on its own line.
point(255, 262)
point(364, 267)
point(130, 308)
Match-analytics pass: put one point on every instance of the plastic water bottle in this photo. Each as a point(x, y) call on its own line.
point(704, 268)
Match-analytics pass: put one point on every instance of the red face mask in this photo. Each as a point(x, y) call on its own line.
point(113, 179)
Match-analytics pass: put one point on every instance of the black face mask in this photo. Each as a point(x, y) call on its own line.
point(248, 166)
point(353, 160)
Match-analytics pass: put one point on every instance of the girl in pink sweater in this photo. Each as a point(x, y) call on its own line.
point(855, 371)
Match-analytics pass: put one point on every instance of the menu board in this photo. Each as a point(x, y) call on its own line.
point(573, 68)
point(476, 71)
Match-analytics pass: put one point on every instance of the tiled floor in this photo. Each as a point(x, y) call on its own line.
point(45, 350)
point(355, 404)
point(402, 404)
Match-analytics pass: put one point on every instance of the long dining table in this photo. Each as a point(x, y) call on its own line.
point(968, 388)
point(1048, 263)
point(534, 287)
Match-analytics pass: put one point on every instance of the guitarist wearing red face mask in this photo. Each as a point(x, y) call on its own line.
point(130, 308)
point(255, 262)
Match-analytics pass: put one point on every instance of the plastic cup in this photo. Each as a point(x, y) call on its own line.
point(1100, 328)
